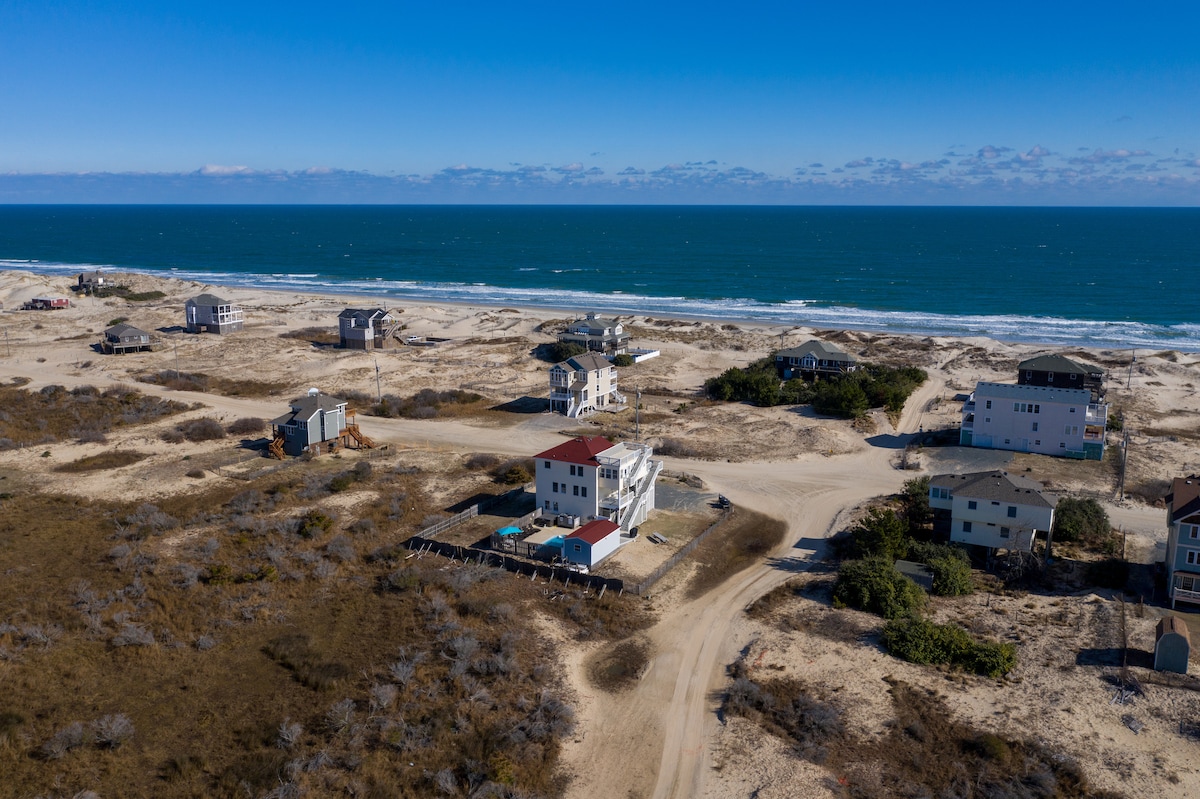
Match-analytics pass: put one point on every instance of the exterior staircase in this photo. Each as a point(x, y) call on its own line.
point(276, 448)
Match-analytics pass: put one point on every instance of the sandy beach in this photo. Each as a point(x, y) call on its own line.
point(662, 736)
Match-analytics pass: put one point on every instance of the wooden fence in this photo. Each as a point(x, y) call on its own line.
point(645, 585)
point(567, 577)
point(473, 511)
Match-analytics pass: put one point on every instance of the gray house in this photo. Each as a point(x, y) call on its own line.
point(605, 336)
point(367, 329)
point(88, 282)
point(813, 358)
point(313, 420)
point(122, 338)
point(208, 313)
point(1059, 371)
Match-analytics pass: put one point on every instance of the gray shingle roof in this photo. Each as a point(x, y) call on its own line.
point(306, 408)
point(1032, 393)
point(819, 350)
point(996, 485)
point(208, 300)
point(1060, 364)
point(121, 329)
point(588, 362)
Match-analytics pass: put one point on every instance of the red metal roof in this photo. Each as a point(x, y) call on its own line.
point(595, 532)
point(1184, 499)
point(578, 450)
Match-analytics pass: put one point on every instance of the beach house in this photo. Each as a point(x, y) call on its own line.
point(367, 329)
point(122, 338)
point(606, 336)
point(583, 384)
point(813, 358)
point(589, 478)
point(1027, 418)
point(591, 543)
point(991, 509)
point(1183, 540)
point(208, 313)
point(315, 421)
point(1060, 371)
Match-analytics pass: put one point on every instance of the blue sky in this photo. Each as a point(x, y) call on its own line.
point(1063, 103)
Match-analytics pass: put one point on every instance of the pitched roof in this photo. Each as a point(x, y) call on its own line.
point(995, 485)
point(818, 349)
point(578, 450)
point(588, 362)
point(594, 322)
point(1033, 393)
point(1171, 624)
point(1060, 364)
point(121, 329)
point(366, 313)
point(208, 299)
point(306, 408)
point(595, 532)
point(1184, 499)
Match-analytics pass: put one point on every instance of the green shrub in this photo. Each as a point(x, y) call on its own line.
point(950, 565)
point(559, 351)
point(922, 641)
point(314, 523)
point(873, 584)
point(880, 533)
point(623, 360)
point(1078, 519)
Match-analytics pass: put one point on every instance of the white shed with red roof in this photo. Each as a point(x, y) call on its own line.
point(592, 543)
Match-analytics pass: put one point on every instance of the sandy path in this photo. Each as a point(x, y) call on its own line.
point(670, 717)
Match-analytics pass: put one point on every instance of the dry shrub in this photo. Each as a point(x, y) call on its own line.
point(105, 460)
point(245, 426)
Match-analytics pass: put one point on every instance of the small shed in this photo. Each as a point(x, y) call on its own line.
point(919, 573)
point(1171, 645)
point(592, 543)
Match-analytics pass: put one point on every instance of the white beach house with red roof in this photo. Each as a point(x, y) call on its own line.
point(592, 478)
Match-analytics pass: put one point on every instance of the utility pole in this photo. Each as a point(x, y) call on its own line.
point(1132, 358)
point(177, 372)
point(378, 388)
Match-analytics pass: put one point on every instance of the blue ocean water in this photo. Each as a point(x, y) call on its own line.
point(1065, 276)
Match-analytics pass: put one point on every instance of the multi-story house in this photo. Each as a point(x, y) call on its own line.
point(1060, 371)
point(209, 313)
point(583, 384)
point(1183, 540)
point(590, 478)
point(813, 358)
point(366, 329)
point(992, 509)
point(1041, 419)
point(606, 336)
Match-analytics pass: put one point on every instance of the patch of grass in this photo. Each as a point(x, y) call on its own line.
point(54, 414)
point(114, 459)
point(618, 665)
point(317, 336)
point(126, 293)
point(744, 538)
point(210, 384)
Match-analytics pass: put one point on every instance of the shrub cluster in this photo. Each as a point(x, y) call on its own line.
point(919, 640)
point(1082, 520)
point(846, 396)
point(950, 565)
point(425, 404)
point(559, 351)
point(873, 584)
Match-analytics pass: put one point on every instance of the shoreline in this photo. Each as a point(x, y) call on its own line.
point(1183, 338)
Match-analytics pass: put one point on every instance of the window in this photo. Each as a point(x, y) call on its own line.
point(987, 419)
point(1050, 377)
point(572, 470)
point(1061, 445)
point(1037, 408)
point(1007, 441)
point(972, 504)
point(1012, 511)
point(1072, 410)
point(554, 488)
point(1017, 407)
point(576, 492)
point(556, 507)
point(966, 527)
point(1029, 375)
point(1071, 430)
point(545, 464)
point(547, 504)
point(1037, 443)
point(1194, 532)
point(1035, 424)
point(987, 405)
point(583, 491)
point(1074, 376)
point(1005, 532)
point(577, 547)
point(1191, 557)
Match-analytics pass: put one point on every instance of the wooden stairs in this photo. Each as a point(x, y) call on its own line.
point(364, 442)
point(276, 448)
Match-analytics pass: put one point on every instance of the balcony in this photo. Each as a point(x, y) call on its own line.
point(1183, 595)
point(1096, 414)
point(968, 422)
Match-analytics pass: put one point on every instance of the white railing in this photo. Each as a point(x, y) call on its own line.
point(1183, 595)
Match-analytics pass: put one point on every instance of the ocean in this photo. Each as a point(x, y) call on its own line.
point(1062, 276)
